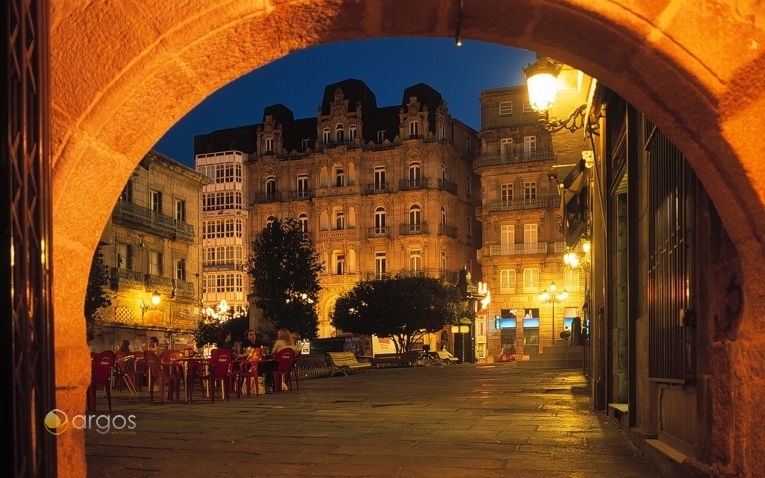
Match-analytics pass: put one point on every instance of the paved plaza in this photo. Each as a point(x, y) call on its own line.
point(449, 421)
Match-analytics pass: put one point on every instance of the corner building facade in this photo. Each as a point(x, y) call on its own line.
point(522, 168)
point(380, 190)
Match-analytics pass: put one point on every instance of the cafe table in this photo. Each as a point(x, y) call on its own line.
point(190, 366)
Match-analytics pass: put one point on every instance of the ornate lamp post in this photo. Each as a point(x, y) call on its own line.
point(553, 298)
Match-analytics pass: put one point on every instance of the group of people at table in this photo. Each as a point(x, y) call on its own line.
point(250, 348)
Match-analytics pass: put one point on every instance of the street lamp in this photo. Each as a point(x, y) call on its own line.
point(155, 299)
point(542, 81)
point(553, 298)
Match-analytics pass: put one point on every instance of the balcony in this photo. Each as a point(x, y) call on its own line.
point(271, 196)
point(519, 204)
point(516, 156)
point(139, 217)
point(447, 230)
point(378, 232)
point(447, 186)
point(378, 188)
point(302, 195)
point(349, 233)
point(405, 229)
point(412, 184)
point(518, 249)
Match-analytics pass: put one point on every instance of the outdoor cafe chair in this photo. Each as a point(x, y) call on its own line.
point(248, 373)
point(163, 376)
point(217, 373)
point(123, 365)
point(102, 365)
point(285, 359)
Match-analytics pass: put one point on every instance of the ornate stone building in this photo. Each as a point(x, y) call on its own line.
point(151, 245)
point(381, 190)
point(523, 168)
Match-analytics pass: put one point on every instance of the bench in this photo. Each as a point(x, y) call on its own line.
point(344, 362)
point(446, 357)
point(404, 359)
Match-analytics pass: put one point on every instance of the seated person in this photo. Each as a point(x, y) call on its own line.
point(224, 342)
point(251, 340)
point(283, 340)
point(152, 345)
point(125, 347)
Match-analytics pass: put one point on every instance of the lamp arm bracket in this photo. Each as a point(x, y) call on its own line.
point(575, 121)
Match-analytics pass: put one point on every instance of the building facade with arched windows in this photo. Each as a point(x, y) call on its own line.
point(380, 190)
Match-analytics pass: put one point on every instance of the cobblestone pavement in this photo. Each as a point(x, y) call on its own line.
point(459, 420)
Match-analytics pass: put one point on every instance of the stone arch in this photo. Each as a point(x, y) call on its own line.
point(123, 73)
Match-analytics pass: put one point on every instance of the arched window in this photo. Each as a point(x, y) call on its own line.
point(270, 188)
point(303, 220)
point(339, 133)
point(414, 218)
point(352, 132)
point(380, 216)
point(414, 175)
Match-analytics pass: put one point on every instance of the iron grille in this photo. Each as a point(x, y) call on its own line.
point(671, 274)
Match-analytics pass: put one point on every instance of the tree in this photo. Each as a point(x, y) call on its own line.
point(285, 268)
point(404, 308)
point(97, 293)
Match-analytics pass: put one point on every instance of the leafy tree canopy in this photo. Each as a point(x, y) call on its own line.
point(404, 308)
point(97, 293)
point(285, 269)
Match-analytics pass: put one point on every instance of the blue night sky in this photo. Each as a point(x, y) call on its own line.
point(387, 66)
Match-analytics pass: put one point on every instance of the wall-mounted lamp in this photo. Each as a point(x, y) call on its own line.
point(155, 299)
point(458, 35)
point(542, 81)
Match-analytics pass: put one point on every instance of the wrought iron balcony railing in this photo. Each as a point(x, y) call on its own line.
point(139, 217)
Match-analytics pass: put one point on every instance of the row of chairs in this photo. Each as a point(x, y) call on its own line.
point(110, 369)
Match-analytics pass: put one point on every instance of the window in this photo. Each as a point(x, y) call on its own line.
point(269, 145)
point(380, 217)
point(505, 108)
point(380, 184)
point(352, 133)
point(339, 220)
point(270, 219)
point(180, 269)
point(238, 231)
point(127, 192)
point(529, 191)
point(469, 184)
point(507, 237)
point(155, 263)
point(529, 146)
point(125, 256)
point(340, 264)
point(571, 280)
point(443, 132)
point(415, 260)
point(443, 216)
point(339, 178)
point(380, 265)
point(507, 281)
point(530, 237)
point(531, 281)
point(156, 201)
point(505, 194)
point(469, 227)
point(443, 260)
point(302, 186)
point(304, 145)
point(339, 134)
point(506, 146)
point(414, 129)
point(270, 188)
point(414, 175)
point(303, 220)
point(468, 145)
point(325, 136)
point(527, 107)
point(228, 227)
point(380, 136)
point(180, 210)
point(414, 218)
